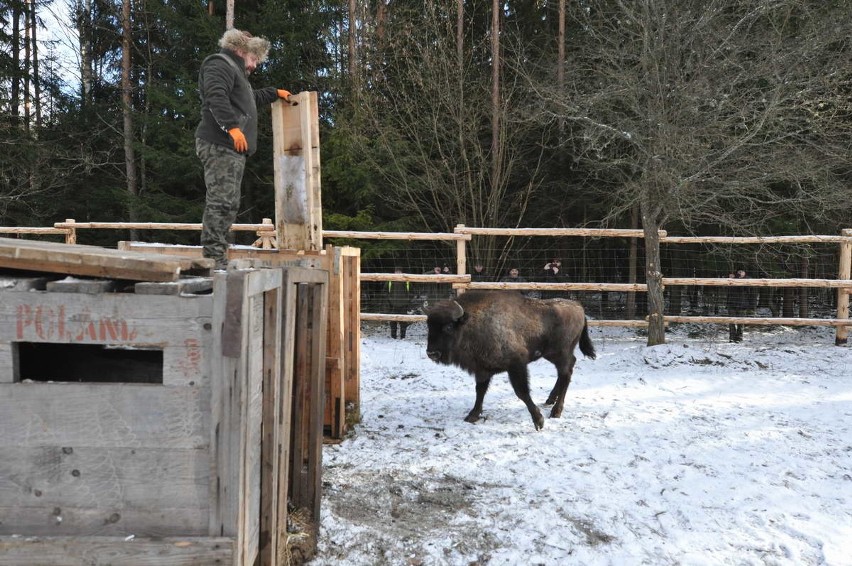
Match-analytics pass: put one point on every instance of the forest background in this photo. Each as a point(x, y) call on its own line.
point(722, 117)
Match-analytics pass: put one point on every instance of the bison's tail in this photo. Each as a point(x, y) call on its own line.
point(586, 345)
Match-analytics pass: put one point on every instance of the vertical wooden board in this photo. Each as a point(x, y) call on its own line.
point(224, 463)
point(319, 315)
point(334, 414)
point(844, 271)
point(352, 335)
point(298, 202)
point(270, 471)
point(253, 418)
point(301, 404)
point(287, 392)
point(7, 363)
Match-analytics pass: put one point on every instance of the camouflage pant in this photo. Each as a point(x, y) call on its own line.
point(223, 174)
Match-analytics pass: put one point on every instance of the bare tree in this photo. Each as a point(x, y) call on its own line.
point(427, 128)
point(708, 114)
point(127, 110)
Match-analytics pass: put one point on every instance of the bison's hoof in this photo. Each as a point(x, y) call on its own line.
point(550, 401)
point(554, 414)
point(538, 421)
point(471, 418)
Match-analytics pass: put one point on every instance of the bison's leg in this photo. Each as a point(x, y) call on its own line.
point(520, 379)
point(564, 370)
point(482, 383)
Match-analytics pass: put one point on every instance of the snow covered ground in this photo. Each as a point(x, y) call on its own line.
point(694, 452)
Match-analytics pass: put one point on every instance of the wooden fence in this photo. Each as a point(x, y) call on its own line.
point(461, 281)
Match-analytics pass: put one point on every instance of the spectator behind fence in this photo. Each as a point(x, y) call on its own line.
point(553, 274)
point(741, 302)
point(436, 291)
point(478, 274)
point(514, 276)
point(400, 300)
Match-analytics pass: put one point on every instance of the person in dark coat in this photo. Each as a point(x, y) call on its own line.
point(514, 276)
point(553, 274)
point(399, 300)
point(478, 274)
point(740, 303)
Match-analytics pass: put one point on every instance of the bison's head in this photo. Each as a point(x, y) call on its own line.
point(443, 320)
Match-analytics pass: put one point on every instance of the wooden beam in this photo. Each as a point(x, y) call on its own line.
point(298, 200)
point(72, 551)
point(93, 261)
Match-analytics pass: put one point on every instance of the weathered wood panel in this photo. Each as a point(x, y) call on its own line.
point(237, 406)
point(73, 551)
point(179, 326)
point(307, 290)
point(102, 319)
point(84, 491)
point(103, 415)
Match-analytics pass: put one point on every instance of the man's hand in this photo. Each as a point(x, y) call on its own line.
point(286, 96)
point(240, 143)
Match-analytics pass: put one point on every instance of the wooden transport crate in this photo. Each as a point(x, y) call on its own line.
point(159, 423)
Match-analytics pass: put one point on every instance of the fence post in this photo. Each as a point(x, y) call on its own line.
point(844, 271)
point(461, 257)
point(71, 234)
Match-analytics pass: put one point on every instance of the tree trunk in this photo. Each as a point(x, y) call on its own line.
point(653, 276)
point(36, 81)
point(496, 7)
point(229, 14)
point(353, 56)
point(84, 23)
point(560, 65)
point(16, 59)
point(28, 7)
point(127, 111)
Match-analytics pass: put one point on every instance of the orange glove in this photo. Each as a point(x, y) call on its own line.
point(240, 143)
point(285, 94)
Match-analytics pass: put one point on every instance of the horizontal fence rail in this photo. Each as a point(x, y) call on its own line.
point(461, 280)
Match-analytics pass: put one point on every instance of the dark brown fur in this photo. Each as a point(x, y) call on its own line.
point(489, 332)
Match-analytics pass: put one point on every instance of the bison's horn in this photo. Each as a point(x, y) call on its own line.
point(457, 312)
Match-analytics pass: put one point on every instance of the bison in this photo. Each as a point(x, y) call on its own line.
point(489, 332)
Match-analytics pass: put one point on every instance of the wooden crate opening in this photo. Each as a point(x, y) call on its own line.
point(86, 363)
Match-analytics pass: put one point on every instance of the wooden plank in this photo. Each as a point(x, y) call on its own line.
point(87, 286)
point(334, 417)
point(298, 202)
point(270, 466)
point(93, 261)
point(117, 319)
point(287, 400)
point(8, 362)
point(74, 551)
point(238, 406)
point(319, 315)
point(103, 416)
point(190, 286)
point(352, 334)
point(224, 461)
point(79, 490)
point(308, 385)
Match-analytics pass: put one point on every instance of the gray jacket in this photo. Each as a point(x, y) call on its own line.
point(228, 100)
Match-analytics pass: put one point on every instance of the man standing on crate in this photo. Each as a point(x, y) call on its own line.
point(228, 131)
